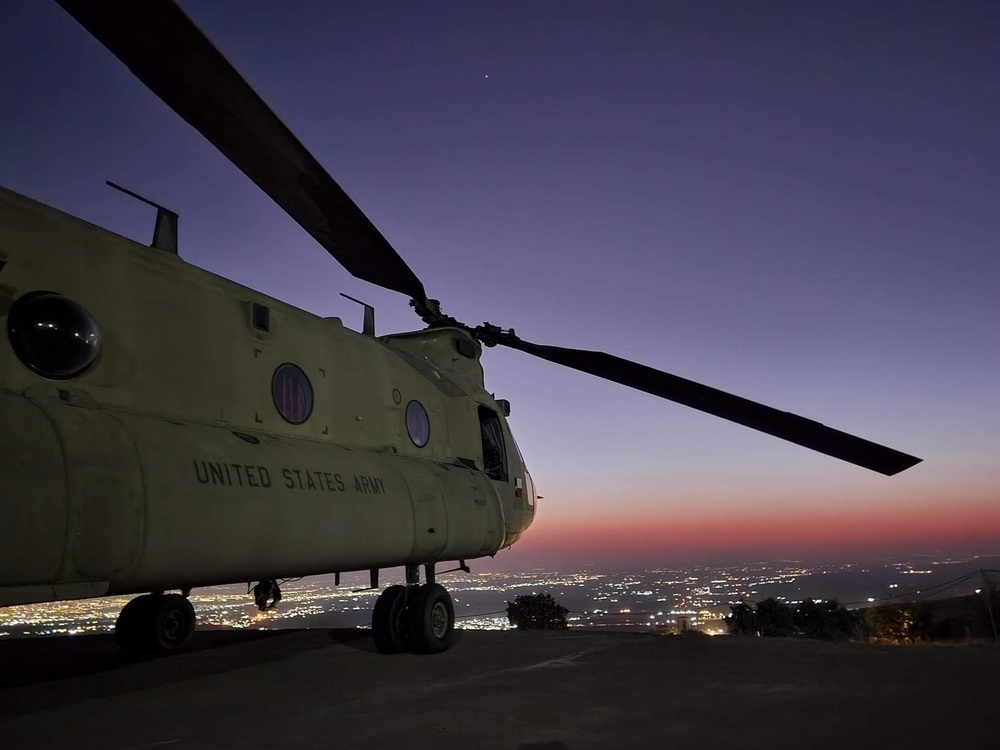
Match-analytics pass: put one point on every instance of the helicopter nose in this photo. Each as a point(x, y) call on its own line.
point(32, 494)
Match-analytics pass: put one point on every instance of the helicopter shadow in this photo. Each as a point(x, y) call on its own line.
point(44, 671)
point(361, 638)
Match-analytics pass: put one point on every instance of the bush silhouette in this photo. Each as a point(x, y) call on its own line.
point(815, 619)
point(743, 620)
point(536, 612)
point(775, 618)
point(907, 622)
point(828, 620)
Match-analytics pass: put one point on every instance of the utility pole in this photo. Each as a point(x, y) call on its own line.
point(988, 586)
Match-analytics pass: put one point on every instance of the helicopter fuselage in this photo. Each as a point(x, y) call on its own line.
point(222, 436)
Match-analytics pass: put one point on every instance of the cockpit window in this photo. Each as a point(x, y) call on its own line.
point(530, 486)
point(494, 455)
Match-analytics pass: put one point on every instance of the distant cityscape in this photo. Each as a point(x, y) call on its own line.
point(649, 600)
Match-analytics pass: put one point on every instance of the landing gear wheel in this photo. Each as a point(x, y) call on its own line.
point(431, 620)
point(387, 620)
point(172, 622)
point(154, 623)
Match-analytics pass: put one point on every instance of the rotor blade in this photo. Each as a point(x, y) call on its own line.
point(168, 53)
point(781, 424)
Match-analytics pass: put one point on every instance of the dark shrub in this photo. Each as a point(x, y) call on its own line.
point(742, 621)
point(536, 612)
point(774, 618)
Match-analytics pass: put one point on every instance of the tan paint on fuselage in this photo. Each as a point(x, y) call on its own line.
point(134, 476)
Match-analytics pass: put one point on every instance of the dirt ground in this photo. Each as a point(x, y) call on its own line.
point(510, 690)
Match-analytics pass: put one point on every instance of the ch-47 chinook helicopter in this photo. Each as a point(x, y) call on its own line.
point(163, 428)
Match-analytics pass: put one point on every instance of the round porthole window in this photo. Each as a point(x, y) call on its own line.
point(418, 425)
point(52, 335)
point(292, 393)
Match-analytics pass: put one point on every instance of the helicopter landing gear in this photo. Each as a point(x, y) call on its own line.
point(154, 623)
point(431, 620)
point(417, 618)
point(388, 627)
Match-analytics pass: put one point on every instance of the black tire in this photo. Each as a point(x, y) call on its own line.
point(431, 620)
point(171, 623)
point(387, 617)
point(133, 625)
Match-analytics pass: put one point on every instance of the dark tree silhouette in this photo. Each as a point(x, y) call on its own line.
point(774, 618)
point(829, 621)
point(742, 621)
point(909, 621)
point(536, 612)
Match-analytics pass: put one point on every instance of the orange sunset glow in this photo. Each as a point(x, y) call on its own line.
point(818, 526)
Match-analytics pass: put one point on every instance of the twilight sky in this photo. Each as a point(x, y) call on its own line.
point(792, 201)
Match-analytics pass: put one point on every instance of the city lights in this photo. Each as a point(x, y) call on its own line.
point(653, 600)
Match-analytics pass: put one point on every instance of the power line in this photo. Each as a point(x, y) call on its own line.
point(931, 591)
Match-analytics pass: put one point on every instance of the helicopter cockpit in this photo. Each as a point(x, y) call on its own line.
point(494, 455)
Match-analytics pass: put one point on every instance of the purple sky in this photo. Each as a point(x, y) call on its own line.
point(792, 201)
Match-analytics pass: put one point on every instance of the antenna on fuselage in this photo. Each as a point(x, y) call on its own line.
point(369, 324)
point(165, 231)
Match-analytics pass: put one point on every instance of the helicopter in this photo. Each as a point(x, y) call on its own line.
point(165, 428)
